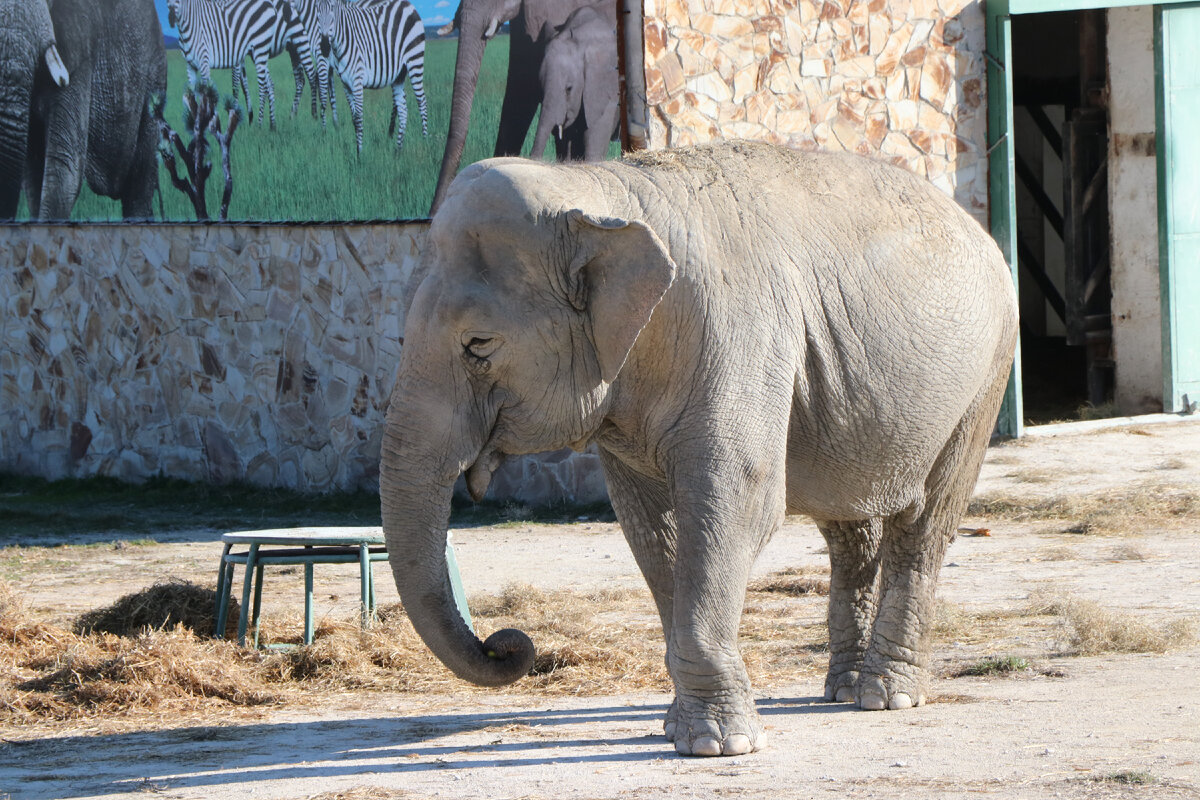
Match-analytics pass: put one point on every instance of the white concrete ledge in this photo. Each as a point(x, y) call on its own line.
point(1092, 425)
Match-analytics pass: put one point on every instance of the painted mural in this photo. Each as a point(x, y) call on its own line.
point(289, 110)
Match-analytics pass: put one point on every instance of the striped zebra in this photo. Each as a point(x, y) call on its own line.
point(306, 38)
point(219, 34)
point(375, 44)
point(289, 35)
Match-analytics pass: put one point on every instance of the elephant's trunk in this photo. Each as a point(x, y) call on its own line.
point(472, 39)
point(415, 490)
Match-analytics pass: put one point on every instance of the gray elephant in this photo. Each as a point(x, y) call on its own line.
point(531, 25)
point(75, 78)
point(745, 332)
point(579, 72)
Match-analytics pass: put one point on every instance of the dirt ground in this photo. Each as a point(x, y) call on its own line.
point(1103, 726)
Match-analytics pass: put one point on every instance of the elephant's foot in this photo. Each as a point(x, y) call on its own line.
point(671, 723)
point(839, 686)
point(894, 691)
point(722, 727)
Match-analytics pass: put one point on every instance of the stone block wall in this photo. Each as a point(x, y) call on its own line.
point(263, 354)
point(900, 79)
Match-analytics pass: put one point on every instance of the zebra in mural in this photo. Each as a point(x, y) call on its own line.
point(219, 34)
point(375, 44)
point(305, 37)
point(288, 35)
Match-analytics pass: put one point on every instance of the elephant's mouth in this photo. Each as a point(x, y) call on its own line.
point(479, 474)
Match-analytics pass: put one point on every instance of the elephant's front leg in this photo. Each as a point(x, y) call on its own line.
point(644, 510)
point(727, 507)
point(853, 600)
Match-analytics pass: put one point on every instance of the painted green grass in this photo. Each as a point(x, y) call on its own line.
point(303, 171)
point(36, 511)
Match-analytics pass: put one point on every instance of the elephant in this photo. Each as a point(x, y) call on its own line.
point(75, 78)
point(579, 71)
point(743, 331)
point(531, 25)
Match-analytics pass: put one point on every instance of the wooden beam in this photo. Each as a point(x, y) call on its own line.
point(1033, 266)
point(1053, 137)
point(1027, 176)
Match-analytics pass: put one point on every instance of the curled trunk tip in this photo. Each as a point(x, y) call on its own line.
point(513, 652)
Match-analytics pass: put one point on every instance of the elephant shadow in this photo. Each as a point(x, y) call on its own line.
point(218, 755)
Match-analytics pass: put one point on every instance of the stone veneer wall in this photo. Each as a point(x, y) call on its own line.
point(899, 79)
point(228, 352)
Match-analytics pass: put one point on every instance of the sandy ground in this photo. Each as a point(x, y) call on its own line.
point(1072, 733)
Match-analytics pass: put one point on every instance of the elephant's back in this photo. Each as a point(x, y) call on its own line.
point(895, 306)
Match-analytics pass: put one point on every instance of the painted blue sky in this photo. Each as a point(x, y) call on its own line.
point(434, 13)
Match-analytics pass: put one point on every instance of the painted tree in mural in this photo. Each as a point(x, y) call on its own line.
point(200, 121)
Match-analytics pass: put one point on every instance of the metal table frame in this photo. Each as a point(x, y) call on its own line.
point(307, 546)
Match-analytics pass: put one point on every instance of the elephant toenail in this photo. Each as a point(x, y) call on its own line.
point(872, 702)
point(669, 730)
point(899, 701)
point(845, 694)
point(737, 744)
point(706, 746)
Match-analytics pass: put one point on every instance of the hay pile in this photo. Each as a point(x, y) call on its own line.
point(151, 652)
point(161, 607)
point(50, 672)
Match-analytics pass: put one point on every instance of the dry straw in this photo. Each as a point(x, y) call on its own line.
point(589, 643)
point(1134, 508)
point(1091, 629)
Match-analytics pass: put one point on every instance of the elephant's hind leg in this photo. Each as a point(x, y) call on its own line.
point(853, 600)
point(895, 668)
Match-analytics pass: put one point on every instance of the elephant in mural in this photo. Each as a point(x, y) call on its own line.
point(532, 23)
point(75, 78)
point(745, 332)
point(579, 72)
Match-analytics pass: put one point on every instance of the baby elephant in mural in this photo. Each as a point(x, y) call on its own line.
point(745, 332)
point(75, 80)
point(579, 72)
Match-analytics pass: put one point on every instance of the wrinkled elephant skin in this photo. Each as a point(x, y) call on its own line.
point(744, 332)
point(75, 80)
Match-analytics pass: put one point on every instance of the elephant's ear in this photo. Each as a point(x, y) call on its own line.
point(619, 273)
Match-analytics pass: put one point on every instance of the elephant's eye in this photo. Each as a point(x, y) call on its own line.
point(480, 345)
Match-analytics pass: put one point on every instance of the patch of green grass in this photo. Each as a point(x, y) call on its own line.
point(305, 171)
point(34, 510)
point(465, 513)
point(994, 666)
point(1129, 777)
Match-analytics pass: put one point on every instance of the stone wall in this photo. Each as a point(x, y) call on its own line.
point(899, 79)
point(254, 353)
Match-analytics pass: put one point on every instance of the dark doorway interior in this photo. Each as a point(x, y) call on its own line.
point(1061, 130)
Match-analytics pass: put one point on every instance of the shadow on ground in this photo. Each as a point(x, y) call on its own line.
point(209, 756)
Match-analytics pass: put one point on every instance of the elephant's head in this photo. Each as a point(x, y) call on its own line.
point(527, 312)
point(27, 47)
point(562, 78)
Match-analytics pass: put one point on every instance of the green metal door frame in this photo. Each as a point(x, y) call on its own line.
point(1177, 115)
point(1002, 206)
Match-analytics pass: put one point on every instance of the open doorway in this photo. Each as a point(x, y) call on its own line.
point(1061, 132)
